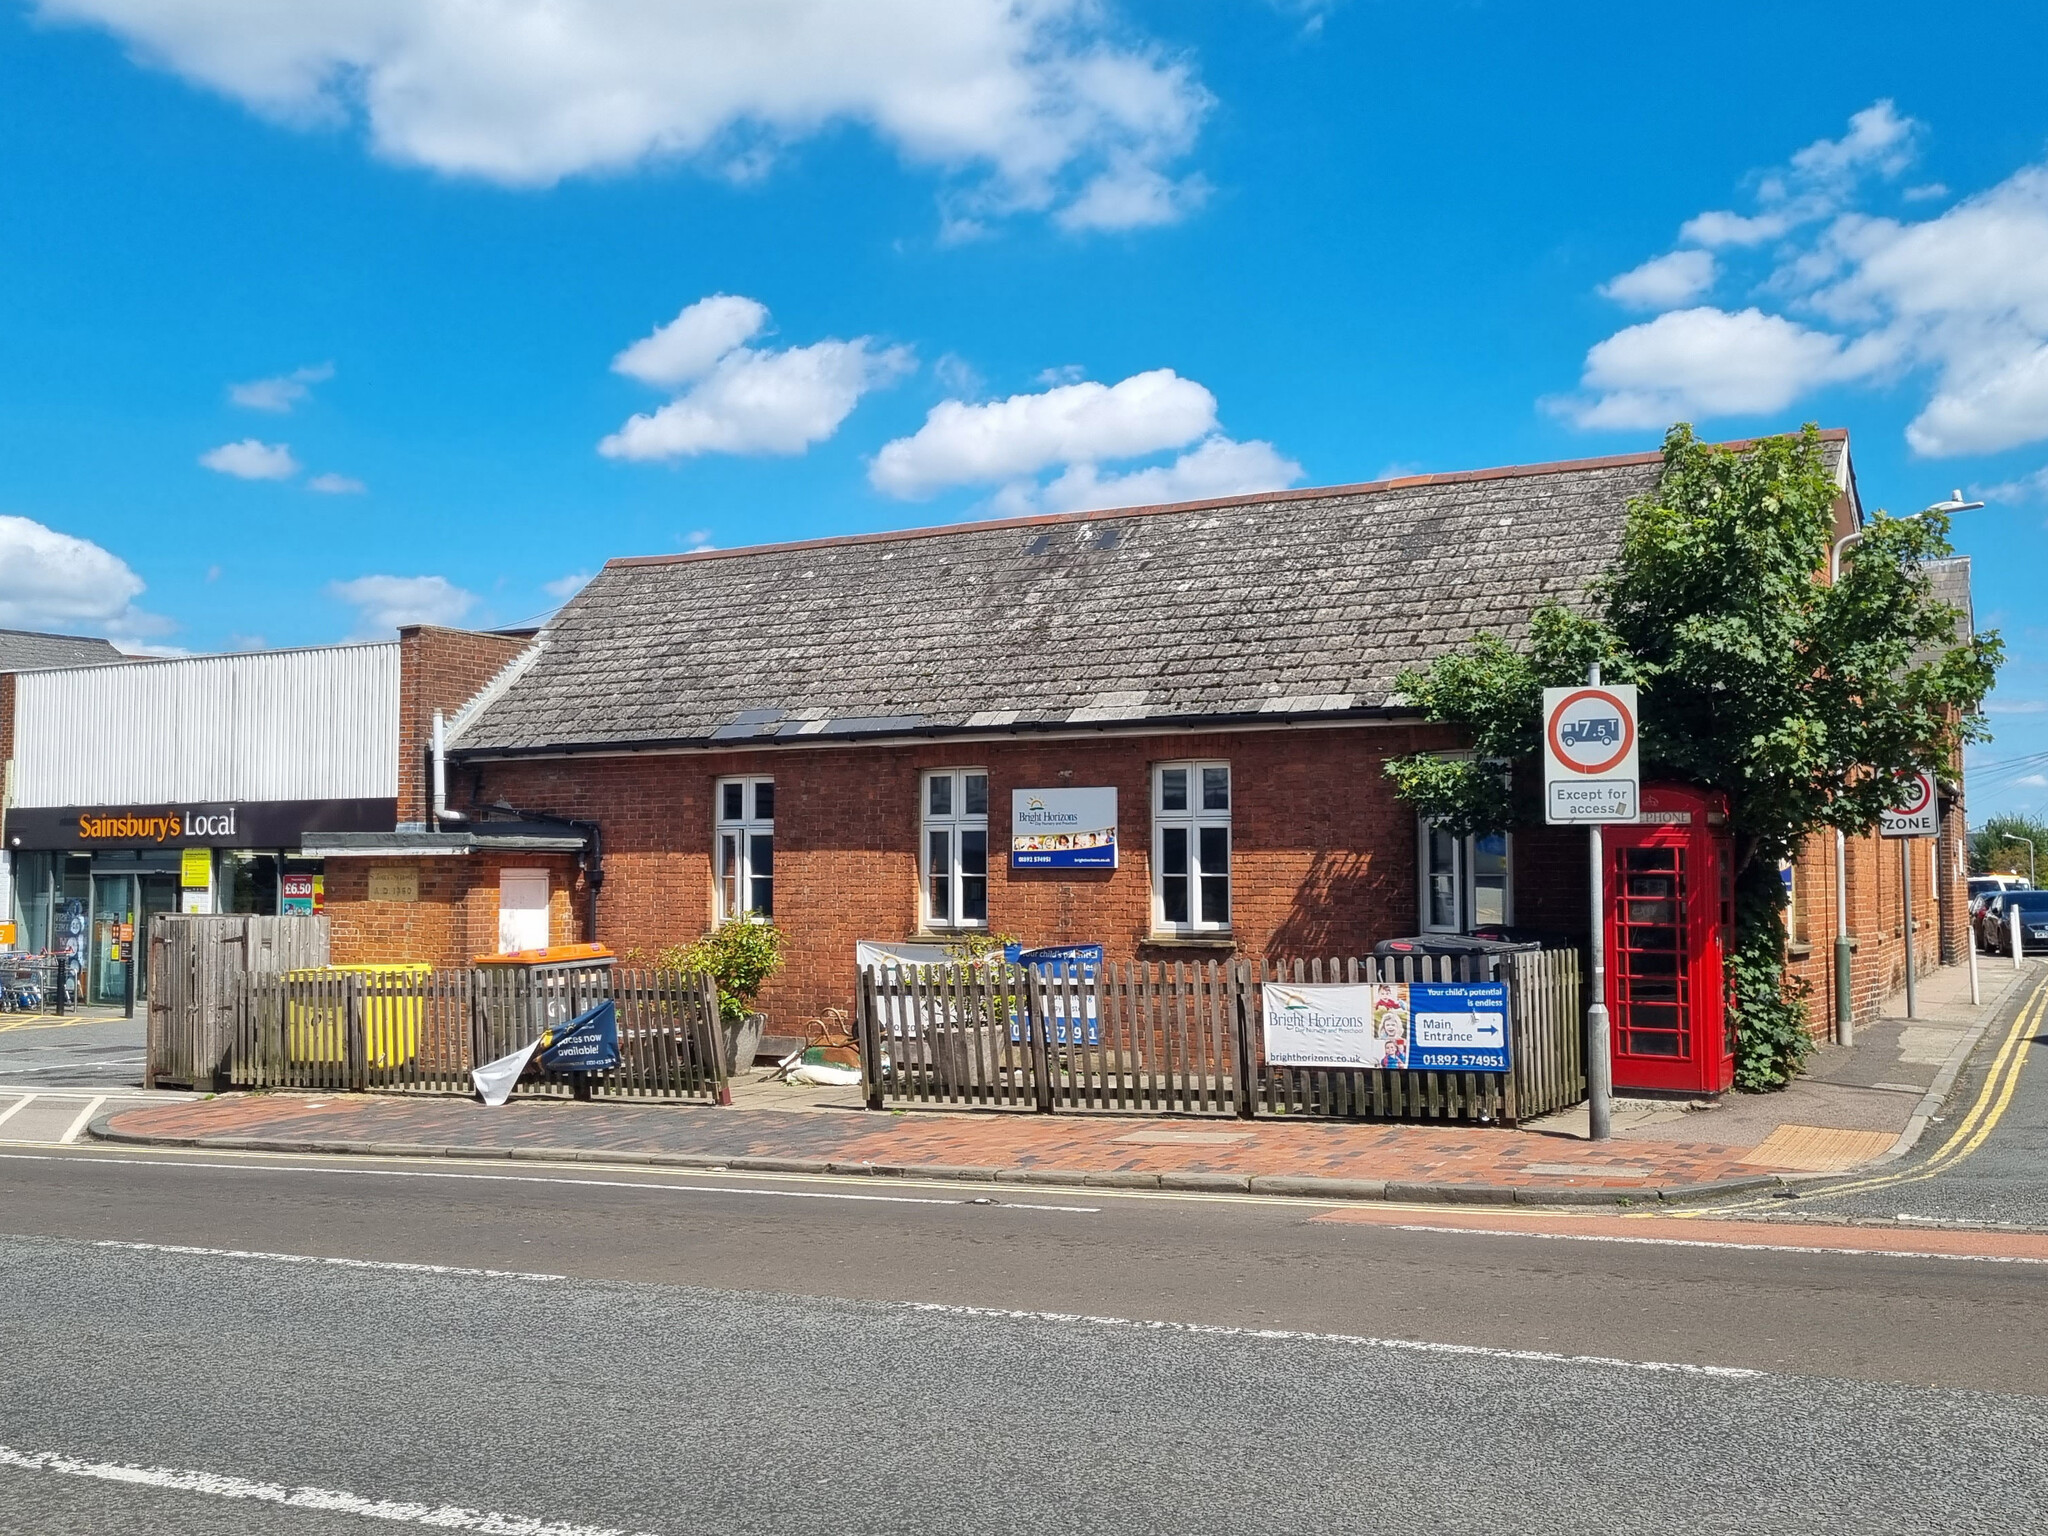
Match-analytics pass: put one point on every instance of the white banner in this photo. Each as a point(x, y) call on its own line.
point(1346, 1026)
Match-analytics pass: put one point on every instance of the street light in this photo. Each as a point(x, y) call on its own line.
point(1845, 1013)
point(2014, 837)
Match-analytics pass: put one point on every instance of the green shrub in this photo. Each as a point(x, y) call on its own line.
point(740, 954)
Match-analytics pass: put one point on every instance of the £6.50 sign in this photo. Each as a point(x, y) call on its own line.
point(1590, 769)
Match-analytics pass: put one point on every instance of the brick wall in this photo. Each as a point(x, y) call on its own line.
point(456, 916)
point(438, 669)
point(1324, 856)
point(6, 719)
point(1876, 918)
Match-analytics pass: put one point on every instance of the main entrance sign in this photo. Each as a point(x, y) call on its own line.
point(1591, 771)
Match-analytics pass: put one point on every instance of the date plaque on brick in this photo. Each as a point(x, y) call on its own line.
point(397, 882)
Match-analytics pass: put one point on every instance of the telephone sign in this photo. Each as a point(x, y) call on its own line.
point(1590, 767)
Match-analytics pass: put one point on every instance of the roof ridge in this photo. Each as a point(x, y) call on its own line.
point(1155, 509)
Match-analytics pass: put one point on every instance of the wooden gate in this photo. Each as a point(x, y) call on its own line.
point(1188, 1040)
point(196, 965)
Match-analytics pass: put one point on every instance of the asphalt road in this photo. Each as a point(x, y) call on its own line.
point(92, 1050)
point(712, 1354)
point(1988, 1170)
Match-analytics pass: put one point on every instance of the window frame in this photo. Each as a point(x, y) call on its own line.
point(745, 828)
point(1465, 885)
point(955, 821)
point(1192, 820)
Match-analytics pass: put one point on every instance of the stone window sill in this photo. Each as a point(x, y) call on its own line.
point(1214, 938)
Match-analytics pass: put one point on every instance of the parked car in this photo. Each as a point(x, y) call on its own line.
point(1983, 887)
point(1994, 922)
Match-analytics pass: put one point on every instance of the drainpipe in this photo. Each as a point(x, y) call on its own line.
point(593, 874)
point(1845, 1004)
point(441, 811)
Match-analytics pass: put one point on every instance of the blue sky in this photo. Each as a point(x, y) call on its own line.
point(327, 319)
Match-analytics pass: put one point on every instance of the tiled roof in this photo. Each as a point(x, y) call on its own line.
point(24, 650)
point(1300, 603)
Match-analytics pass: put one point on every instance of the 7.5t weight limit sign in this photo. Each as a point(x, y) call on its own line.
point(1590, 769)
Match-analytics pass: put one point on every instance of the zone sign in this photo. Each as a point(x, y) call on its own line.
point(1590, 768)
point(1916, 814)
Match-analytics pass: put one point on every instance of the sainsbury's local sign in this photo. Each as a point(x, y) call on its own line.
point(219, 824)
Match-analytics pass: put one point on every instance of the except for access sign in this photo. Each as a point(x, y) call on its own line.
point(1917, 814)
point(1590, 767)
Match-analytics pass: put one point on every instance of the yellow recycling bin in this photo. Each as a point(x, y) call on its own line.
point(317, 1029)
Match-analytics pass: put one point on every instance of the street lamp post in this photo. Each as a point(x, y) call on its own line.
point(1845, 1011)
point(2015, 838)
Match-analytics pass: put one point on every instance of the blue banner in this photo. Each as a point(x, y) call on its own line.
point(587, 1043)
point(1055, 961)
point(1458, 1026)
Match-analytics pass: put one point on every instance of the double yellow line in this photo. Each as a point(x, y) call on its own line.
point(1992, 1100)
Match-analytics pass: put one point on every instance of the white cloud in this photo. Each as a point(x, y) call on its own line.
point(385, 603)
point(57, 581)
point(2020, 707)
point(1954, 305)
point(281, 393)
point(1816, 183)
point(698, 541)
point(763, 402)
point(1217, 466)
point(2034, 781)
point(1701, 362)
point(1663, 281)
point(252, 460)
point(562, 588)
point(2033, 487)
point(688, 346)
point(1024, 103)
point(962, 444)
point(331, 484)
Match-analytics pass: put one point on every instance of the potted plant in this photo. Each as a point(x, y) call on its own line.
point(740, 954)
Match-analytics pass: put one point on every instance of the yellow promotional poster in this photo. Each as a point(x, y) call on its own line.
point(195, 869)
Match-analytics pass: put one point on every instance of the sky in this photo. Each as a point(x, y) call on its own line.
point(325, 316)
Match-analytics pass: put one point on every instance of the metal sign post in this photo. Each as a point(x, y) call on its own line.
point(1914, 816)
point(1592, 776)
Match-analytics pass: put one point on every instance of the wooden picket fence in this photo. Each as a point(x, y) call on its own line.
point(1188, 1039)
point(422, 1031)
point(196, 965)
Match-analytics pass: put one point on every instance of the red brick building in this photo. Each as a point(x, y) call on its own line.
point(844, 732)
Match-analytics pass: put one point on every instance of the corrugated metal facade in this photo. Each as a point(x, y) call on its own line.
point(266, 725)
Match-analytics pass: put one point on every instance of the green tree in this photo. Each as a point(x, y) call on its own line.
point(1801, 701)
point(2000, 845)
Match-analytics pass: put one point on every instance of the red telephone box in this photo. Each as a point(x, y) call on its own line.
point(1669, 889)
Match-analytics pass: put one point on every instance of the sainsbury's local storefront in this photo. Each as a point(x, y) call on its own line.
point(188, 785)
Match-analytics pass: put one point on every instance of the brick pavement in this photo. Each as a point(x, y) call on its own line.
point(1410, 1161)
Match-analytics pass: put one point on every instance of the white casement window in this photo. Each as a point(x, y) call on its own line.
point(955, 852)
point(744, 848)
point(1190, 847)
point(1466, 881)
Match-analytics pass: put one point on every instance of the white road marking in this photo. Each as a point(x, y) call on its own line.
point(1701, 1242)
point(84, 1119)
point(16, 1108)
point(219, 1485)
point(340, 1169)
point(308, 1258)
point(1353, 1340)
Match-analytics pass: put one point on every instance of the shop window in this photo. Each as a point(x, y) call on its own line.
point(745, 848)
point(1191, 847)
point(955, 848)
point(1466, 881)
